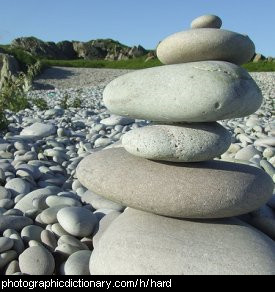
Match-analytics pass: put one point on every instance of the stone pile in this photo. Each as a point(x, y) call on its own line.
point(181, 201)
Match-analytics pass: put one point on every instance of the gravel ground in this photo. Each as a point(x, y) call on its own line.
point(63, 78)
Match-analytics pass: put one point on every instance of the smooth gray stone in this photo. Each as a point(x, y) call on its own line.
point(29, 169)
point(98, 202)
point(36, 260)
point(117, 120)
point(14, 222)
point(103, 225)
point(49, 240)
point(6, 203)
point(12, 267)
point(4, 193)
point(52, 201)
point(207, 21)
point(77, 221)
point(18, 186)
point(64, 250)
point(178, 143)
point(39, 130)
point(68, 239)
point(7, 257)
point(212, 189)
point(15, 212)
point(139, 243)
point(26, 203)
point(247, 153)
point(78, 263)
point(58, 230)
point(49, 216)
point(18, 244)
point(5, 244)
point(264, 220)
point(202, 92)
point(204, 44)
point(31, 232)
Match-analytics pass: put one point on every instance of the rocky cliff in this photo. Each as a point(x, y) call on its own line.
point(101, 49)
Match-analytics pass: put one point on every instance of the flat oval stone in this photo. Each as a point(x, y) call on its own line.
point(204, 44)
point(207, 21)
point(140, 243)
point(202, 92)
point(212, 189)
point(178, 143)
point(53, 201)
point(39, 130)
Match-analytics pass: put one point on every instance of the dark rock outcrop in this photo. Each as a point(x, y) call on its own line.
point(9, 67)
point(99, 49)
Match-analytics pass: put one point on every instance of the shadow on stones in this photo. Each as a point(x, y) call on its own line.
point(56, 73)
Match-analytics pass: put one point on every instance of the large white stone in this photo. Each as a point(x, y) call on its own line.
point(178, 143)
point(142, 243)
point(203, 44)
point(194, 92)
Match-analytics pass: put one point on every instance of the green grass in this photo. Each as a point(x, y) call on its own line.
point(138, 63)
point(40, 103)
point(24, 58)
point(262, 66)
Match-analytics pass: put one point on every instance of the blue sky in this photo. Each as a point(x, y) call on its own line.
point(144, 22)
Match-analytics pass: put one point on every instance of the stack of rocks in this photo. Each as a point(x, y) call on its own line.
point(181, 202)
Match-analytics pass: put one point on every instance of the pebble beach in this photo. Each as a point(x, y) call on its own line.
point(46, 213)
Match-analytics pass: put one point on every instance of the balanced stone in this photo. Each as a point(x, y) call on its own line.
point(207, 21)
point(212, 189)
point(204, 44)
point(142, 243)
point(178, 143)
point(202, 92)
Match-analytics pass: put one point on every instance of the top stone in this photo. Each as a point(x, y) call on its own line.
point(204, 44)
point(207, 21)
